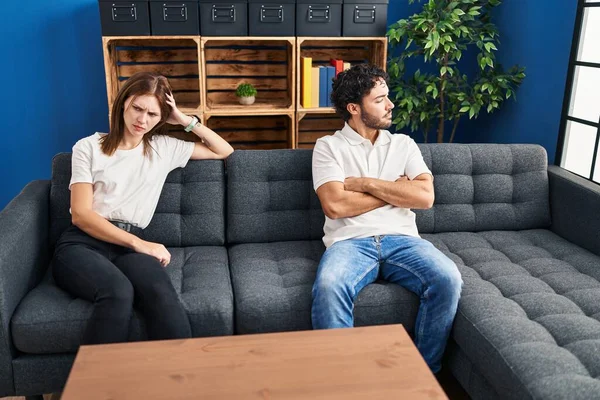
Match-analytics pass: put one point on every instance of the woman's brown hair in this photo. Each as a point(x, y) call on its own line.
point(140, 84)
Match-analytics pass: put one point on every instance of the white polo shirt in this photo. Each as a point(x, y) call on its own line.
point(345, 154)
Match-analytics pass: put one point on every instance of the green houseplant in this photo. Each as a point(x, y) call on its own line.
point(246, 93)
point(440, 34)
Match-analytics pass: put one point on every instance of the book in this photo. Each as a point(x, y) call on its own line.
point(315, 86)
point(323, 87)
point(305, 81)
point(338, 65)
point(330, 76)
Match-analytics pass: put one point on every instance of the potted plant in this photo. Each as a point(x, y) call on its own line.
point(246, 93)
point(439, 34)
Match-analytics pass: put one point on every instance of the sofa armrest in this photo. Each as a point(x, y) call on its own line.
point(23, 260)
point(574, 205)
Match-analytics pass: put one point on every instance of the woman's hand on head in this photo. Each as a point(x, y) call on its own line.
point(155, 250)
point(176, 117)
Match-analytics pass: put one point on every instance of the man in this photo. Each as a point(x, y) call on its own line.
point(367, 181)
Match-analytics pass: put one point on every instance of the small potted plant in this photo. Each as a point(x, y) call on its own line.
point(246, 93)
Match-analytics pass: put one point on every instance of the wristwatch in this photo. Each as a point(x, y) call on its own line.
point(192, 124)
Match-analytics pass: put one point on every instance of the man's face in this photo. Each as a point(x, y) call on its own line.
point(376, 108)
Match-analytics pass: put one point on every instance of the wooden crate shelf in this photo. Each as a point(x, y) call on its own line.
point(266, 63)
point(311, 126)
point(354, 50)
point(257, 132)
point(177, 58)
point(204, 73)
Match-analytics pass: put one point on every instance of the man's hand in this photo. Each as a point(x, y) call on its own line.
point(354, 184)
point(402, 178)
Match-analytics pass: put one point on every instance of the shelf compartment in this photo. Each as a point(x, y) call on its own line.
point(257, 132)
point(353, 50)
point(177, 58)
point(268, 64)
point(311, 126)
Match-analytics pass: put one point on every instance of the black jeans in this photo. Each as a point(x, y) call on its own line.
point(114, 279)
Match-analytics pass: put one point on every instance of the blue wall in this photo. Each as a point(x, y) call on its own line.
point(535, 34)
point(54, 89)
point(54, 75)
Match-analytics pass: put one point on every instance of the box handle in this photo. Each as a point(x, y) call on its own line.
point(175, 13)
point(271, 14)
point(318, 13)
point(364, 14)
point(223, 13)
point(124, 13)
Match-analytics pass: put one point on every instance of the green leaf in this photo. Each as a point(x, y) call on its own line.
point(464, 109)
point(436, 39)
point(471, 113)
point(443, 71)
point(458, 11)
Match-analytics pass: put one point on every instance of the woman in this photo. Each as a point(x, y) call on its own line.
point(115, 185)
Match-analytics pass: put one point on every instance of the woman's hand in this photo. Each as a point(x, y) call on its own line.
point(176, 117)
point(155, 250)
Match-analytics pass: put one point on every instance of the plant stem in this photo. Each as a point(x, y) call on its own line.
point(454, 129)
point(440, 132)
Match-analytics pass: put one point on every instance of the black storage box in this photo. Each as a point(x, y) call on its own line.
point(174, 17)
point(365, 18)
point(272, 18)
point(319, 18)
point(124, 18)
point(223, 18)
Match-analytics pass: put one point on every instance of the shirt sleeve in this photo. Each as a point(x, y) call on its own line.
point(177, 151)
point(415, 165)
point(325, 167)
point(81, 163)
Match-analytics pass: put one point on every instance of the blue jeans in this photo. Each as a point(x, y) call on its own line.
point(414, 263)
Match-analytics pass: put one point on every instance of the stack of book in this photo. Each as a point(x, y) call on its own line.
point(316, 82)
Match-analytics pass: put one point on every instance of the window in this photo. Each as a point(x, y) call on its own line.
point(580, 124)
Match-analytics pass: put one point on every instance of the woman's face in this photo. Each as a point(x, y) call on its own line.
point(141, 115)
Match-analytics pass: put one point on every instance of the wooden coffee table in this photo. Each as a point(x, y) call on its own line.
point(377, 362)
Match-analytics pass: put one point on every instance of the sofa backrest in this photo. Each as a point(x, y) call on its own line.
point(190, 211)
point(478, 187)
point(481, 187)
point(270, 197)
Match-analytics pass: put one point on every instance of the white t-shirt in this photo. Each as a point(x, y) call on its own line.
point(345, 154)
point(127, 185)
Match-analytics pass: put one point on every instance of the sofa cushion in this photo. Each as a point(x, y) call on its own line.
point(270, 197)
point(49, 320)
point(272, 283)
point(529, 314)
point(481, 187)
point(190, 211)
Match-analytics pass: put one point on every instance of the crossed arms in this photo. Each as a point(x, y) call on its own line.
point(357, 196)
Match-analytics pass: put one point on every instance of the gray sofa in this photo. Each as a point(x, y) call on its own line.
point(246, 242)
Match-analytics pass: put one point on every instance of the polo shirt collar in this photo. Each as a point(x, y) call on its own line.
point(355, 139)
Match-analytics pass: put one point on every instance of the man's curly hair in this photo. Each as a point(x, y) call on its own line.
point(352, 85)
